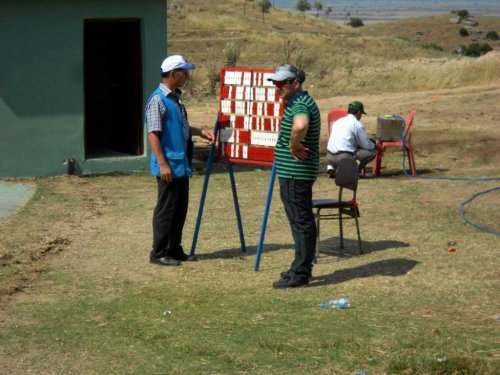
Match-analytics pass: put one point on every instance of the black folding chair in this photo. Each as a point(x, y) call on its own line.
point(346, 177)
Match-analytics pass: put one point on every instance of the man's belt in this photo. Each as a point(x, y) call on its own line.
point(340, 152)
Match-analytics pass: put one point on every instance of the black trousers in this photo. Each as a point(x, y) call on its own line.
point(296, 196)
point(169, 216)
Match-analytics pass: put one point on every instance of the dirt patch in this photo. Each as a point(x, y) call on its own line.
point(24, 254)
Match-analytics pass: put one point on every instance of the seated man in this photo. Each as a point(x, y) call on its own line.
point(348, 139)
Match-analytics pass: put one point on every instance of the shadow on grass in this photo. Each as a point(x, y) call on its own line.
point(236, 252)
point(331, 246)
point(389, 267)
point(351, 249)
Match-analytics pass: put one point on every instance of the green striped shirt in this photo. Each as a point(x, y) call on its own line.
point(286, 166)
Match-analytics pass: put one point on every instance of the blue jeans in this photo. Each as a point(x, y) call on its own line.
point(296, 196)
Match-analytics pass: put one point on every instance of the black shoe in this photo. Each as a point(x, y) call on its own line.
point(164, 261)
point(182, 256)
point(290, 283)
point(285, 275)
point(331, 173)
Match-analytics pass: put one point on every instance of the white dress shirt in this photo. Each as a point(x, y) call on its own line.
point(348, 134)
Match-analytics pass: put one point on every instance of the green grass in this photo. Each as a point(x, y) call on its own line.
point(99, 307)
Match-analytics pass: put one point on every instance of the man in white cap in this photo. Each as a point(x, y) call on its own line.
point(169, 136)
point(297, 166)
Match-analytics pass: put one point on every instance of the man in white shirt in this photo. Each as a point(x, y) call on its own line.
point(348, 139)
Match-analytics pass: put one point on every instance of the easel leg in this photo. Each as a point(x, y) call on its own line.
point(236, 207)
point(204, 191)
point(264, 219)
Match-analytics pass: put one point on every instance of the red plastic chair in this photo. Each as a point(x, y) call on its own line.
point(334, 115)
point(408, 146)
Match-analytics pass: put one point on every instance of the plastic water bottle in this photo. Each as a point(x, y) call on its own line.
point(336, 304)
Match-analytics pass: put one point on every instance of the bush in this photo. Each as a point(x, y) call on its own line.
point(289, 49)
point(213, 78)
point(304, 60)
point(232, 53)
point(433, 46)
point(492, 35)
point(356, 22)
point(463, 32)
point(476, 49)
point(463, 13)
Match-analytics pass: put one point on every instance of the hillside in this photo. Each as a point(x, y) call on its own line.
point(338, 59)
point(438, 31)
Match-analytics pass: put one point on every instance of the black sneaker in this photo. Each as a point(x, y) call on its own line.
point(331, 173)
point(164, 261)
point(290, 283)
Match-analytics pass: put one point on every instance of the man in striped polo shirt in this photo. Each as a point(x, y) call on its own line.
point(297, 166)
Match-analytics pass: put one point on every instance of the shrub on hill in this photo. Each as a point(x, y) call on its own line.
point(492, 35)
point(462, 13)
point(232, 53)
point(433, 46)
point(463, 32)
point(356, 22)
point(213, 78)
point(476, 49)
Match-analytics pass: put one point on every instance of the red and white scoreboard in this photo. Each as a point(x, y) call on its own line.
point(249, 116)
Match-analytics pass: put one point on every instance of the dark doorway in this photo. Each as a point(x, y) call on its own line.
point(113, 88)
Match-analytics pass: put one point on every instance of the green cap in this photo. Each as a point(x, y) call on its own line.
point(356, 106)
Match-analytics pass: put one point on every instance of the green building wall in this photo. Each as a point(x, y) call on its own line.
point(42, 87)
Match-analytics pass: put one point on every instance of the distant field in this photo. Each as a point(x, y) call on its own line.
point(374, 11)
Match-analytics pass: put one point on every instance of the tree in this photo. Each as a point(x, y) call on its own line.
point(318, 5)
point(245, 5)
point(328, 10)
point(347, 15)
point(264, 5)
point(303, 6)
